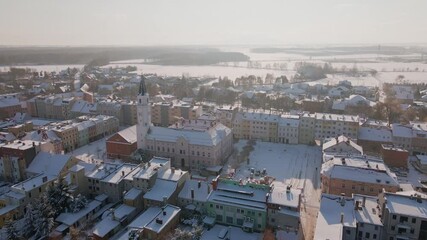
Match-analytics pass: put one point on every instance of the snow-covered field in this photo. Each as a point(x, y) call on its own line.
point(234, 233)
point(291, 164)
point(94, 152)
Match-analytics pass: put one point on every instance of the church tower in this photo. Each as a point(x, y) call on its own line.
point(143, 110)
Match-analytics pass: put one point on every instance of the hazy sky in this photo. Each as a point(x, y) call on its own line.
point(178, 22)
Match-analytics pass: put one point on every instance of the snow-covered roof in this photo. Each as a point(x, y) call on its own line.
point(71, 218)
point(123, 211)
point(7, 208)
point(132, 194)
point(368, 213)
point(149, 169)
point(341, 140)
point(256, 116)
point(162, 188)
point(145, 218)
point(42, 135)
point(105, 226)
point(121, 172)
point(49, 164)
point(422, 159)
point(359, 169)
point(289, 120)
point(102, 171)
point(401, 131)
point(171, 174)
point(406, 205)
point(375, 134)
point(8, 101)
point(280, 196)
point(201, 190)
point(88, 167)
point(20, 144)
point(211, 137)
point(329, 225)
point(34, 182)
point(167, 214)
point(353, 100)
point(239, 195)
point(336, 117)
point(129, 134)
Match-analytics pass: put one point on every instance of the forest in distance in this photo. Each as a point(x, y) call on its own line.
point(104, 55)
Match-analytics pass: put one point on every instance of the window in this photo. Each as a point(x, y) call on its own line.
point(394, 216)
point(219, 218)
point(414, 220)
point(403, 219)
point(229, 220)
point(239, 221)
point(374, 236)
point(367, 235)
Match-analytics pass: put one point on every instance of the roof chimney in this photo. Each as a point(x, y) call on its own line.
point(192, 194)
point(342, 218)
point(214, 183)
point(199, 184)
point(356, 206)
point(172, 170)
point(363, 201)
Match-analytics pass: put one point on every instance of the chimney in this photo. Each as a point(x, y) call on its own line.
point(214, 183)
point(356, 206)
point(342, 201)
point(44, 179)
point(123, 173)
point(173, 170)
point(199, 184)
point(267, 195)
point(164, 213)
point(363, 201)
point(342, 218)
point(192, 194)
point(159, 221)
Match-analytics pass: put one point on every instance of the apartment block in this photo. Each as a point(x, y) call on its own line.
point(167, 113)
point(403, 216)
point(288, 130)
point(256, 125)
point(357, 175)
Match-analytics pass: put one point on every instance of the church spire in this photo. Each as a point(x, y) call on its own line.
point(142, 88)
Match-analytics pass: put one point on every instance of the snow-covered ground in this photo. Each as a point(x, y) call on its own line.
point(94, 152)
point(368, 81)
point(298, 165)
point(234, 233)
point(414, 177)
point(291, 164)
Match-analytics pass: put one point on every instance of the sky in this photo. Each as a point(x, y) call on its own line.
point(211, 22)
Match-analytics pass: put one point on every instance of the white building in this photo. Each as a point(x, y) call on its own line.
point(341, 145)
point(143, 110)
point(191, 144)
